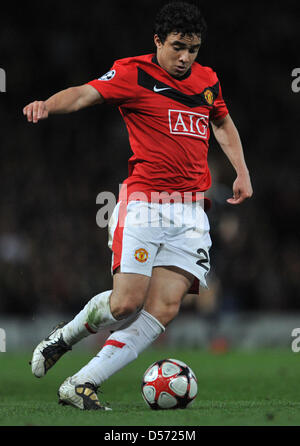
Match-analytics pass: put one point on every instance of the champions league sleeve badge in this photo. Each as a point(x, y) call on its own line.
point(108, 76)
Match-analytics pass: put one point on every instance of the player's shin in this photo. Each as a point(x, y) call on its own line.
point(94, 316)
point(121, 348)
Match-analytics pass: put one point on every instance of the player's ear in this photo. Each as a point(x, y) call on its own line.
point(157, 41)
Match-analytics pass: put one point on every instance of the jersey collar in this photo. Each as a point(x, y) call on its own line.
point(178, 78)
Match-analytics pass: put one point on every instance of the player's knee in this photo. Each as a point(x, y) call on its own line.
point(125, 309)
point(126, 305)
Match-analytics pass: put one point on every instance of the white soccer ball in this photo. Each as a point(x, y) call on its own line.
point(169, 384)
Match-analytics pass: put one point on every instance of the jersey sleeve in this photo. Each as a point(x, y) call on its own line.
point(117, 86)
point(219, 110)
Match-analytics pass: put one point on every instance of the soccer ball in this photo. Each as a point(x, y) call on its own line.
point(169, 384)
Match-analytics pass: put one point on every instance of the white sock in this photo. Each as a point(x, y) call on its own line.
point(94, 316)
point(122, 347)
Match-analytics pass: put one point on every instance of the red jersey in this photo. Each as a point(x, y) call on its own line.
point(167, 119)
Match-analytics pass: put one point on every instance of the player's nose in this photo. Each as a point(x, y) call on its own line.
point(184, 57)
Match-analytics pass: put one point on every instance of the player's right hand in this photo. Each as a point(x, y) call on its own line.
point(35, 111)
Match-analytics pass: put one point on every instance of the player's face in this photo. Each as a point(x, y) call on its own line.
point(178, 52)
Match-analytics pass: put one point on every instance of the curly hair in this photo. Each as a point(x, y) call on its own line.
point(181, 17)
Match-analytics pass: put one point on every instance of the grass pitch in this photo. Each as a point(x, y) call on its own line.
point(259, 388)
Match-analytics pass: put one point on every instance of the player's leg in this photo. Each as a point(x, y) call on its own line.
point(134, 249)
point(167, 287)
point(107, 309)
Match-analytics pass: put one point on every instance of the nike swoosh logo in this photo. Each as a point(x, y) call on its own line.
point(157, 90)
point(147, 81)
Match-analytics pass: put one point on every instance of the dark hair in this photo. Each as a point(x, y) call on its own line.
point(181, 17)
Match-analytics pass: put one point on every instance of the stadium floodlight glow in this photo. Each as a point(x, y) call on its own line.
point(2, 81)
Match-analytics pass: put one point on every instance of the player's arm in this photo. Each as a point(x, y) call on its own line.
point(65, 101)
point(228, 137)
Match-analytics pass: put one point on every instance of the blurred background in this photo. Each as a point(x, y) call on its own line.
point(54, 257)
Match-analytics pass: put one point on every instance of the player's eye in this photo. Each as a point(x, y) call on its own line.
point(191, 50)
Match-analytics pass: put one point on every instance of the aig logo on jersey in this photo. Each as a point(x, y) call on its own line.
point(188, 123)
point(108, 76)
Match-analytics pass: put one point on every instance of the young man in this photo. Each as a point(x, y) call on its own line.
point(159, 232)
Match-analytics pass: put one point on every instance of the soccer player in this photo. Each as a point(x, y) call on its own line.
point(159, 230)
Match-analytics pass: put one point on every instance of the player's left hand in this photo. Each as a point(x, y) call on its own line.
point(242, 189)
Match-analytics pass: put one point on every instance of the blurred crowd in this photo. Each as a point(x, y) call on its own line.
point(53, 256)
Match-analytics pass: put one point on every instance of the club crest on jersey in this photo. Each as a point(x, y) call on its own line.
point(209, 97)
point(141, 255)
point(108, 76)
point(183, 122)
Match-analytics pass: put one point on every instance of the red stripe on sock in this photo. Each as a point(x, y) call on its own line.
point(89, 328)
point(114, 343)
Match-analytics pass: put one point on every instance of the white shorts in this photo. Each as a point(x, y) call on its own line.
point(143, 235)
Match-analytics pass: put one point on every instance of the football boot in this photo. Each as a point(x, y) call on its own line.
point(83, 396)
point(49, 351)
